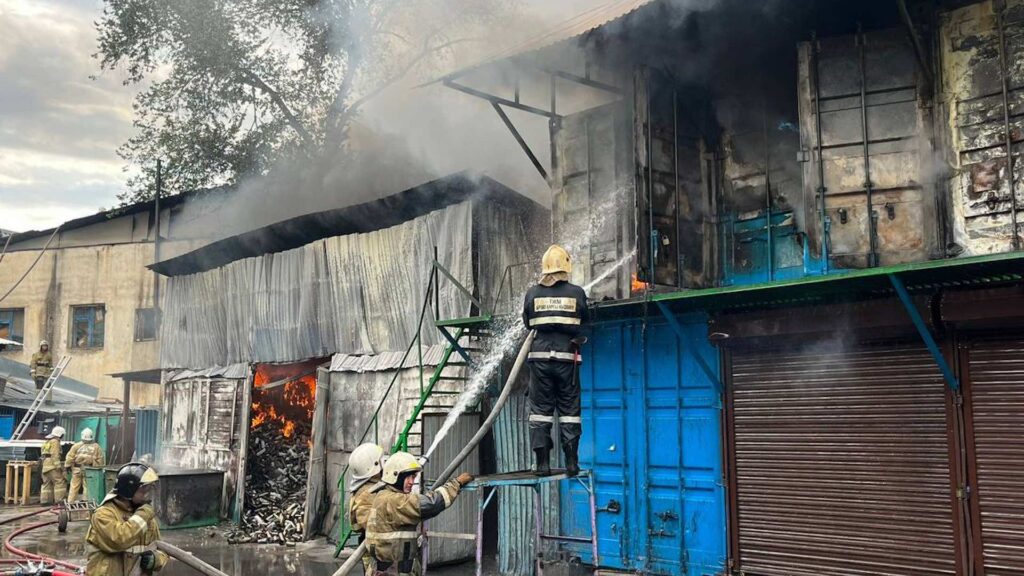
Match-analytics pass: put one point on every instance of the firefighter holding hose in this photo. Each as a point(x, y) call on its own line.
point(367, 462)
point(392, 530)
point(55, 482)
point(123, 531)
point(557, 310)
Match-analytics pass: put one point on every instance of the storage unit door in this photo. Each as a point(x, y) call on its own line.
point(840, 462)
point(996, 408)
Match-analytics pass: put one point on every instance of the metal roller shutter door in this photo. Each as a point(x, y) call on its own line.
point(997, 412)
point(841, 463)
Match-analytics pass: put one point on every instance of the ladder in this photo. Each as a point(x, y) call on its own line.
point(40, 397)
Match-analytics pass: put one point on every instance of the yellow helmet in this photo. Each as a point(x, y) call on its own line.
point(397, 464)
point(555, 260)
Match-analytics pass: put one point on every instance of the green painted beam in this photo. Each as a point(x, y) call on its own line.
point(467, 322)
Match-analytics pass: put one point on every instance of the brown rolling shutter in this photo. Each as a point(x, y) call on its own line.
point(996, 396)
point(840, 463)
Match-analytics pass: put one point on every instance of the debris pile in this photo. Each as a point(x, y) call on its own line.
point(275, 485)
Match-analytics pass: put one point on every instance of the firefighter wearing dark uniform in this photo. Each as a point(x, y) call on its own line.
point(557, 311)
point(392, 530)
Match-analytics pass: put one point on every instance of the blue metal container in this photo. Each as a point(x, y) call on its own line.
point(147, 429)
point(652, 434)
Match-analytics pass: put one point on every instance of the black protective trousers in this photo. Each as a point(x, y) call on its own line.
point(555, 386)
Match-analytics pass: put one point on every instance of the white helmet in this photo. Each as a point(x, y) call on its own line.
point(367, 461)
point(87, 435)
point(57, 432)
point(44, 343)
point(399, 463)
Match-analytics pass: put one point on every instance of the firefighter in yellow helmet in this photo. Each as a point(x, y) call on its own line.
point(367, 463)
point(557, 310)
point(55, 481)
point(41, 366)
point(84, 453)
point(123, 531)
point(392, 531)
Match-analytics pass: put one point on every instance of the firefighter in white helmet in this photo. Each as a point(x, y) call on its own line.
point(367, 464)
point(55, 482)
point(392, 532)
point(84, 453)
point(557, 310)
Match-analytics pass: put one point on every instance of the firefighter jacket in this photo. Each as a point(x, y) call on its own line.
point(118, 536)
point(41, 365)
point(558, 313)
point(392, 529)
point(84, 454)
point(361, 505)
point(51, 455)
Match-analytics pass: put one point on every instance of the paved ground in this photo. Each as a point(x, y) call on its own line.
point(310, 559)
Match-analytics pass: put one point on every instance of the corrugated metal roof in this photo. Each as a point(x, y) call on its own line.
point(576, 26)
point(19, 394)
point(385, 360)
point(234, 371)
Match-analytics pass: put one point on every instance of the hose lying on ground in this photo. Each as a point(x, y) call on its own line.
point(357, 554)
point(36, 557)
point(188, 559)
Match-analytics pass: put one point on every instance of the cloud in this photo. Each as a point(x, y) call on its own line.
point(59, 129)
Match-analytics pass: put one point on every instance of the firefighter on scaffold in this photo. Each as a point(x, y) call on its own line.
point(557, 310)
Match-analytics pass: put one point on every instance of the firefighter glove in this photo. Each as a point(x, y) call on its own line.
point(464, 478)
point(146, 512)
point(147, 561)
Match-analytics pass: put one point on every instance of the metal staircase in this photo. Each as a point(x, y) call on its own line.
point(438, 393)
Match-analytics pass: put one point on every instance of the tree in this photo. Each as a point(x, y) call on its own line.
point(230, 87)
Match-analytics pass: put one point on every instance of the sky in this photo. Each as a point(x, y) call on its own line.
point(60, 127)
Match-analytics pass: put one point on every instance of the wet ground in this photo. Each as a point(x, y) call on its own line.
point(209, 544)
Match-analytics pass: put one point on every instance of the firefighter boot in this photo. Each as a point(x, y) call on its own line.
point(542, 456)
point(572, 458)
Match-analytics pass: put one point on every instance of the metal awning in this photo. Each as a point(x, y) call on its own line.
point(988, 270)
point(150, 376)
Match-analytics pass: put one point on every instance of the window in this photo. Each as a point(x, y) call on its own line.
point(146, 324)
point(87, 326)
point(12, 324)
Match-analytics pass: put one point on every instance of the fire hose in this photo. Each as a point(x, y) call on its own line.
point(357, 554)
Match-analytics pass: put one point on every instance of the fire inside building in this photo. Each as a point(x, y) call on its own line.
point(798, 228)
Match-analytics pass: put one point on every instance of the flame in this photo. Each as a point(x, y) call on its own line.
point(636, 285)
point(286, 406)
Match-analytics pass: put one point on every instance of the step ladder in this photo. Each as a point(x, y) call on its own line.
point(41, 397)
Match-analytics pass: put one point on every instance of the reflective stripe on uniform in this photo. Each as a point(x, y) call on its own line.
point(541, 418)
point(552, 355)
point(572, 321)
point(569, 419)
point(447, 497)
point(401, 535)
point(138, 521)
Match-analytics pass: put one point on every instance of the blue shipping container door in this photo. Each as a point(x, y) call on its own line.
point(652, 434)
point(6, 426)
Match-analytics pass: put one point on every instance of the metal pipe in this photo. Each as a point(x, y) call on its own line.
point(188, 559)
point(1004, 75)
point(821, 161)
point(680, 259)
point(872, 219)
point(156, 238)
point(357, 554)
point(768, 193)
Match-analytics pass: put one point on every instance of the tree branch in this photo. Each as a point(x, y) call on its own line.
point(256, 82)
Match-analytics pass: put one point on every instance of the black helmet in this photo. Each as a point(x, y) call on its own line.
point(131, 476)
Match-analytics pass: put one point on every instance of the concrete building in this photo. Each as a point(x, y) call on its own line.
point(85, 288)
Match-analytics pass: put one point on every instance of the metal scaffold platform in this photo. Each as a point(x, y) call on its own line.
point(488, 486)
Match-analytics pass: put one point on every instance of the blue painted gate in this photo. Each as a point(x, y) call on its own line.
point(652, 433)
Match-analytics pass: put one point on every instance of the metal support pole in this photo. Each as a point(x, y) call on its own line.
point(593, 523)
point(1004, 77)
point(768, 193)
point(673, 323)
point(821, 161)
point(868, 185)
point(922, 329)
point(538, 527)
point(156, 238)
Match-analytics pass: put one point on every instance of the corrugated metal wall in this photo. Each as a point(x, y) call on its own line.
point(841, 462)
point(995, 391)
point(461, 517)
point(147, 433)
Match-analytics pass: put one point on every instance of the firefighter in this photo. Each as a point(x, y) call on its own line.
point(41, 366)
point(123, 531)
point(367, 462)
point(557, 310)
point(84, 453)
point(55, 482)
point(392, 531)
